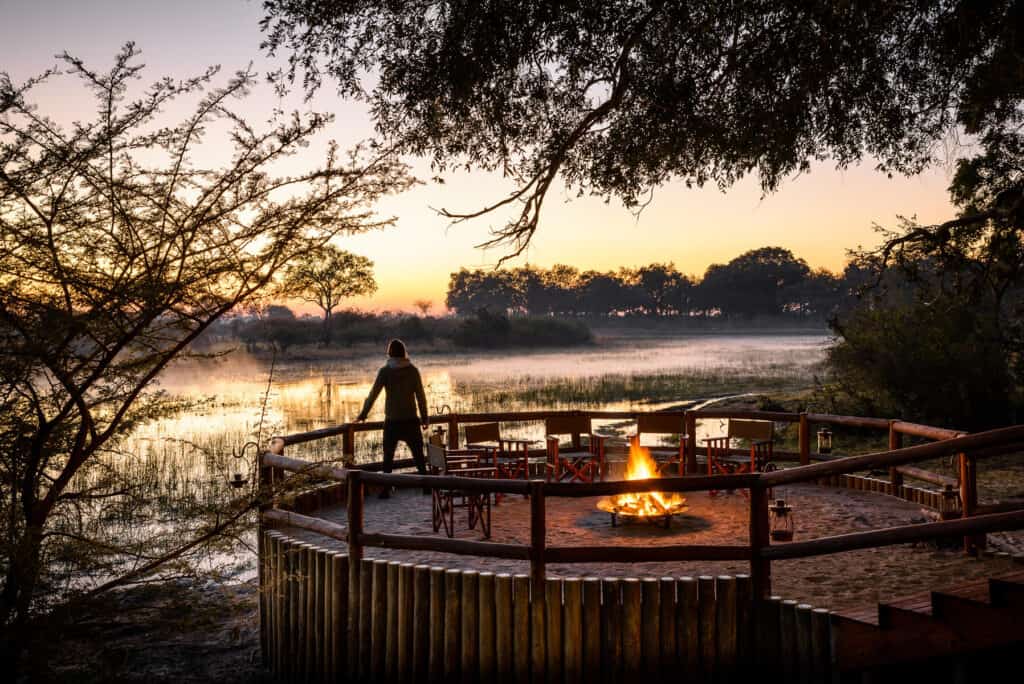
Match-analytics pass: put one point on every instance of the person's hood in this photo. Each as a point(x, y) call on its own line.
point(398, 363)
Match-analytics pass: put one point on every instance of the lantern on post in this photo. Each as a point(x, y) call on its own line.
point(824, 441)
point(781, 521)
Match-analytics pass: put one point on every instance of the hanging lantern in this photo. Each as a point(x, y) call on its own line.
point(238, 481)
point(824, 441)
point(781, 521)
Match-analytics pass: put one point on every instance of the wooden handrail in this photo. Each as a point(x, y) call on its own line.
point(296, 465)
point(848, 421)
point(464, 547)
point(928, 476)
point(777, 416)
point(897, 457)
point(469, 484)
point(665, 484)
point(643, 554)
point(305, 522)
point(926, 431)
point(993, 522)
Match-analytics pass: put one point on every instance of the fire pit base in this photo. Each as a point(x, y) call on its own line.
point(618, 515)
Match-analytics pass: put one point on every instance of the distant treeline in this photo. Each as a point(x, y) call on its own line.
point(769, 281)
point(278, 326)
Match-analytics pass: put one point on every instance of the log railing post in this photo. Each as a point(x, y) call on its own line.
point(263, 489)
point(895, 442)
point(804, 439)
point(690, 419)
point(348, 445)
point(453, 431)
point(355, 492)
point(760, 568)
point(538, 537)
point(969, 500)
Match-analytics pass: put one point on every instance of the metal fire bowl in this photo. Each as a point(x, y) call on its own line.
point(609, 506)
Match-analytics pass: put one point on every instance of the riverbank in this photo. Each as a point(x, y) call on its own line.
point(179, 631)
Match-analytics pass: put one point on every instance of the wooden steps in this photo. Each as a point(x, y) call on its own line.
point(970, 617)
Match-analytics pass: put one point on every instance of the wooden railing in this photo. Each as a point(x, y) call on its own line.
point(324, 612)
point(758, 552)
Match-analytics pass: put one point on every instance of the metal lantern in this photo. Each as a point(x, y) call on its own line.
point(246, 466)
point(781, 521)
point(824, 441)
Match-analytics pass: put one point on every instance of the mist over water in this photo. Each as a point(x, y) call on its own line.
point(635, 372)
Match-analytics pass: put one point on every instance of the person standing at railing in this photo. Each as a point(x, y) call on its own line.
point(403, 394)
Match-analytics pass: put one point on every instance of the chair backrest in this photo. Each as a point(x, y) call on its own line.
point(754, 430)
point(660, 423)
point(567, 425)
point(437, 457)
point(482, 432)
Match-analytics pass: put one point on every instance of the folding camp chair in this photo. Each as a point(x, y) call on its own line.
point(577, 462)
point(460, 463)
point(720, 458)
point(668, 457)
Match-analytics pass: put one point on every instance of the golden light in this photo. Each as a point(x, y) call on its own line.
point(643, 504)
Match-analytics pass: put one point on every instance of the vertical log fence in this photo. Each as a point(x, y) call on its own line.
point(327, 615)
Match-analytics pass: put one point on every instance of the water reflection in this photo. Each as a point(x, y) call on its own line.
point(649, 373)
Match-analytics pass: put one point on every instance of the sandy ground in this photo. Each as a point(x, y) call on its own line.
point(184, 632)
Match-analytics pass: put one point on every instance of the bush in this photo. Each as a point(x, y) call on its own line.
point(941, 362)
point(498, 331)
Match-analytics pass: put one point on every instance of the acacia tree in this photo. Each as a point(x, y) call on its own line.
point(327, 276)
point(619, 96)
point(116, 252)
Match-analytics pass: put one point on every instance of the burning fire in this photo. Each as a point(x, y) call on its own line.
point(641, 467)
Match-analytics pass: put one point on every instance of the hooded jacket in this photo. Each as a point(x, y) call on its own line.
point(403, 390)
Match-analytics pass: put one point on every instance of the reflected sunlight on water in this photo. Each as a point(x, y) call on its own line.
point(639, 372)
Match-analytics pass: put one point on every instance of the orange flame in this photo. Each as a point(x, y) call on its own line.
point(642, 467)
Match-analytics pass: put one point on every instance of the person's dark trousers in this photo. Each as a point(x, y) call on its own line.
point(409, 432)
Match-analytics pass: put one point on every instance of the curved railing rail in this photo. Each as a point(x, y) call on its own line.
point(758, 552)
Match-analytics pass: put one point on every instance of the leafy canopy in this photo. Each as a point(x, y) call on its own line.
point(117, 251)
point(619, 96)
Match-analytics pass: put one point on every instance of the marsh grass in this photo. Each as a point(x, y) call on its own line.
point(623, 388)
point(174, 473)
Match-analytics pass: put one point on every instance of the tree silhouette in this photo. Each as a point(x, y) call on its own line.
point(117, 251)
point(618, 96)
point(327, 276)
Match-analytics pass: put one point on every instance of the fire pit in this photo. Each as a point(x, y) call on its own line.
point(652, 507)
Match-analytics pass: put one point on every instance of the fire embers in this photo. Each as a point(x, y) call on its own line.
point(645, 504)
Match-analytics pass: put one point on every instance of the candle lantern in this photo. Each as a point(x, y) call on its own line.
point(245, 465)
point(824, 441)
point(781, 521)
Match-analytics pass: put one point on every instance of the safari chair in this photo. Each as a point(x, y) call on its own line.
point(758, 433)
point(576, 462)
point(668, 457)
point(512, 456)
point(459, 463)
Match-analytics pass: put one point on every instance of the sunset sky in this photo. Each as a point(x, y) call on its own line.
point(818, 216)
